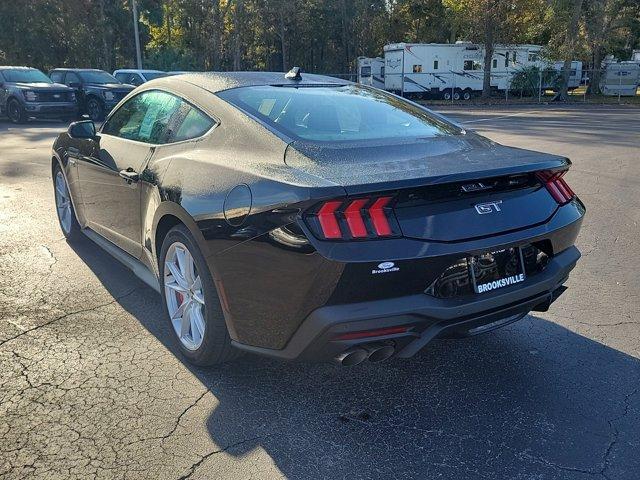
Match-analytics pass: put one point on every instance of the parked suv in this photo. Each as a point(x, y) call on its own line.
point(137, 77)
point(96, 90)
point(27, 92)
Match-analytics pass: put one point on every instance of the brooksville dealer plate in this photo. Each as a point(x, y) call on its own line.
point(496, 269)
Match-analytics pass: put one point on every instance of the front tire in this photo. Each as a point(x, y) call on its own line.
point(191, 301)
point(95, 110)
point(64, 207)
point(16, 112)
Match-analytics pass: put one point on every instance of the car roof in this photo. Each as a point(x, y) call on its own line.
point(135, 70)
point(219, 81)
point(77, 70)
point(5, 67)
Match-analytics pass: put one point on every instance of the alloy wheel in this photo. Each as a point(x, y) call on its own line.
point(184, 296)
point(63, 202)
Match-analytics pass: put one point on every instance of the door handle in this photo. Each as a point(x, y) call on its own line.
point(130, 175)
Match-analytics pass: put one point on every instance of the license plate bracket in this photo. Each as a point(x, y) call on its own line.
point(496, 269)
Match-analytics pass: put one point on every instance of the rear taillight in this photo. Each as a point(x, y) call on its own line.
point(354, 219)
point(557, 187)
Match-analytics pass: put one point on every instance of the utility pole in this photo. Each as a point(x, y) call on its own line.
point(137, 34)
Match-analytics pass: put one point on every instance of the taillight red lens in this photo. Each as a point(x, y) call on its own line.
point(353, 215)
point(354, 219)
point(328, 220)
point(557, 187)
point(379, 217)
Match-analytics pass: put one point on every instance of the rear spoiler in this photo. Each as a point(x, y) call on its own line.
point(559, 164)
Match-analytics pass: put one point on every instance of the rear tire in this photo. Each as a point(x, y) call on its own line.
point(191, 301)
point(16, 112)
point(466, 95)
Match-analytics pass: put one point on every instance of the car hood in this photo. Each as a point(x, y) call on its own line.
point(366, 166)
point(40, 86)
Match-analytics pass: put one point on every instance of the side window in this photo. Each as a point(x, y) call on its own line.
point(57, 76)
point(192, 123)
point(365, 71)
point(506, 59)
point(435, 64)
point(121, 77)
point(145, 117)
point(382, 71)
point(72, 78)
point(417, 69)
point(134, 79)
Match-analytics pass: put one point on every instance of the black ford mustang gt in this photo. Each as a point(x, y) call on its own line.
point(305, 217)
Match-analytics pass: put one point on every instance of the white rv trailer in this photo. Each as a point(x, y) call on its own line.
point(371, 71)
point(457, 69)
point(452, 69)
point(620, 78)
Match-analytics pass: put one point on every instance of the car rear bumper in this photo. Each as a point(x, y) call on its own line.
point(425, 316)
point(51, 109)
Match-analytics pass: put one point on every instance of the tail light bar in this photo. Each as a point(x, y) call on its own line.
point(354, 219)
point(557, 187)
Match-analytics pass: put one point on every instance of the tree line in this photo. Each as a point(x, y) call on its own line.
point(324, 36)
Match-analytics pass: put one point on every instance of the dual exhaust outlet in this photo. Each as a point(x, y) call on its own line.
point(374, 352)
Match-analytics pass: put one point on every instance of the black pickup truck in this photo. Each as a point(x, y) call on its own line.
point(96, 90)
point(28, 93)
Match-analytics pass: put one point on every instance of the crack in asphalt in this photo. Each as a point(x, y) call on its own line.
point(66, 315)
point(616, 432)
point(195, 466)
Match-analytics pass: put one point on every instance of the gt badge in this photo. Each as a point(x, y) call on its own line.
point(489, 207)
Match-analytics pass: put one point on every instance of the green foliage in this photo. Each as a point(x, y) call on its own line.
point(318, 35)
point(527, 81)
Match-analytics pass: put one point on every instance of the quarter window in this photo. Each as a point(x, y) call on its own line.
point(193, 124)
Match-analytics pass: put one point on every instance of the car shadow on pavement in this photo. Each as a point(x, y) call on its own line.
point(532, 400)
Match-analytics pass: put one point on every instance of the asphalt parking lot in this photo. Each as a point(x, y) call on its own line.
point(91, 385)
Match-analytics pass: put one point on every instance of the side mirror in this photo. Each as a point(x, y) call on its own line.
point(82, 129)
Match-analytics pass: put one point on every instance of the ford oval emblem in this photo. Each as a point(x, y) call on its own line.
point(386, 265)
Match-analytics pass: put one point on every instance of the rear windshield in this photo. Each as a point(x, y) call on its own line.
point(340, 113)
point(97, 77)
point(154, 75)
point(25, 76)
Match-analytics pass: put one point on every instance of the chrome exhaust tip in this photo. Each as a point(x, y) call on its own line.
point(379, 352)
point(352, 357)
